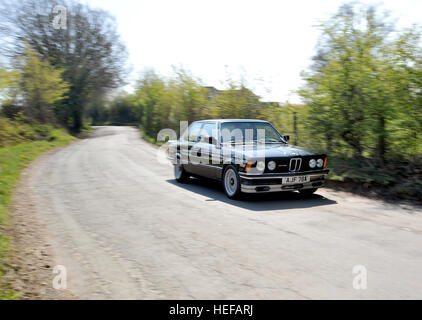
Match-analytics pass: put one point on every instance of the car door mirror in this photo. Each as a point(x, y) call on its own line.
point(212, 140)
point(286, 138)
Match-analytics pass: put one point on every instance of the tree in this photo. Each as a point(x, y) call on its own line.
point(9, 84)
point(98, 112)
point(350, 89)
point(149, 93)
point(236, 102)
point(88, 48)
point(122, 111)
point(190, 98)
point(41, 86)
point(407, 76)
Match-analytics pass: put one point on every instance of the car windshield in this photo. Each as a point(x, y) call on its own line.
point(248, 132)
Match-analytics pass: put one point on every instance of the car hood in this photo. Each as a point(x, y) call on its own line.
point(273, 151)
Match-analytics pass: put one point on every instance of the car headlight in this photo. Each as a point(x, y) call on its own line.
point(260, 165)
point(271, 165)
point(312, 163)
point(320, 163)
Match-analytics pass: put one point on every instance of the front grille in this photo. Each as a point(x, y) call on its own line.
point(283, 165)
point(291, 164)
point(295, 164)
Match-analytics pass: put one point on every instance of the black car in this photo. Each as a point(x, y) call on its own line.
point(247, 156)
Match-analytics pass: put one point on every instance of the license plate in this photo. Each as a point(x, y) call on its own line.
point(296, 179)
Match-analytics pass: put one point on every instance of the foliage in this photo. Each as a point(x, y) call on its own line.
point(289, 119)
point(21, 130)
point(41, 85)
point(122, 113)
point(364, 88)
point(9, 84)
point(236, 102)
point(163, 103)
point(150, 96)
point(89, 49)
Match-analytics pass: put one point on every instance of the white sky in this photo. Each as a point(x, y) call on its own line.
point(268, 42)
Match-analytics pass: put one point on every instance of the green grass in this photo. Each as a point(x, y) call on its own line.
point(149, 138)
point(12, 160)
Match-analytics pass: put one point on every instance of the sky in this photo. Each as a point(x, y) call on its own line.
point(267, 43)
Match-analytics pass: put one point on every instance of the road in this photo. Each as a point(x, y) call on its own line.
point(123, 228)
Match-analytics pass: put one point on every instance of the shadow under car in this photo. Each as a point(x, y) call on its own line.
point(256, 201)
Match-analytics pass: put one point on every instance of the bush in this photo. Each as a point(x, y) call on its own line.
point(15, 132)
point(11, 111)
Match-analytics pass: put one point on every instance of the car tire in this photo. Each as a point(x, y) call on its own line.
point(180, 173)
point(231, 182)
point(308, 192)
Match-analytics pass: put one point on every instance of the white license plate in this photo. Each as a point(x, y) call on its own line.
point(296, 179)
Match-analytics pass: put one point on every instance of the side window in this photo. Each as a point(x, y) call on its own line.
point(194, 131)
point(208, 130)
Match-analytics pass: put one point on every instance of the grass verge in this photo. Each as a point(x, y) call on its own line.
point(392, 181)
point(150, 139)
point(12, 160)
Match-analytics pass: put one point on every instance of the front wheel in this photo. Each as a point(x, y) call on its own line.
point(180, 173)
point(231, 182)
point(308, 192)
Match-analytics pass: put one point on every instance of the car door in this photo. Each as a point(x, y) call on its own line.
point(190, 152)
point(209, 156)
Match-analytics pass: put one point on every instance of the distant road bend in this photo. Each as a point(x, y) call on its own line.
point(125, 229)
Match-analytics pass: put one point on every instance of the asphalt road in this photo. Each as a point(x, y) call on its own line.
point(123, 228)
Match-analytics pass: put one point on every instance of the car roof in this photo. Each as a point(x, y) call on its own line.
point(231, 120)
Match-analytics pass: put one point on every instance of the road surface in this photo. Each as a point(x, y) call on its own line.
point(123, 228)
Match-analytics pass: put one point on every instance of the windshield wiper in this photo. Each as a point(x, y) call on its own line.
point(271, 140)
point(255, 141)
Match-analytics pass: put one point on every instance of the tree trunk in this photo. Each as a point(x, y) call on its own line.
point(329, 141)
point(77, 120)
point(381, 139)
point(295, 129)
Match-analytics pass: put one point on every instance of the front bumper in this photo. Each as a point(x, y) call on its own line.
point(273, 182)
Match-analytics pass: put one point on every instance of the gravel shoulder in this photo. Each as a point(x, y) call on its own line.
point(32, 255)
